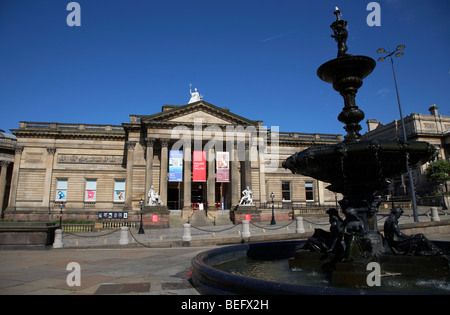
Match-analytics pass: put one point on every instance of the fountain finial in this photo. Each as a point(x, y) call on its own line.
point(337, 12)
point(340, 33)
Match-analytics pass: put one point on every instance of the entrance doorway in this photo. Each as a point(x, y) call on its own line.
point(223, 196)
point(198, 196)
point(174, 193)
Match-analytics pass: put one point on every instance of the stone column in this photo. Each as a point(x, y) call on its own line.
point(187, 180)
point(163, 173)
point(129, 179)
point(246, 169)
point(149, 168)
point(211, 183)
point(15, 178)
point(262, 175)
point(4, 171)
point(48, 177)
point(234, 177)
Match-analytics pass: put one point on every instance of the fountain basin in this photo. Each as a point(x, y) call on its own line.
point(211, 276)
point(345, 67)
point(359, 167)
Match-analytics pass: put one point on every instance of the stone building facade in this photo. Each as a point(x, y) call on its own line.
point(433, 128)
point(92, 169)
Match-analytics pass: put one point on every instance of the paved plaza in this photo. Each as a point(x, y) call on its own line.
point(137, 268)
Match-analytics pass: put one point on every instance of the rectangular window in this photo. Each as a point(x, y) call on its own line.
point(119, 190)
point(309, 191)
point(286, 191)
point(61, 189)
point(91, 190)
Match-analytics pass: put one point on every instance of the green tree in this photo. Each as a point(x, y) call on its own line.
point(438, 172)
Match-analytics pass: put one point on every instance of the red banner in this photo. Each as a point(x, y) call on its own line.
point(199, 166)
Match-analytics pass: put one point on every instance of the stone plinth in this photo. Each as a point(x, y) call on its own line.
point(156, 217)
point(246, 212)
point(27, 234)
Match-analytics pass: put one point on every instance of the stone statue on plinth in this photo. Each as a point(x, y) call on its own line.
point(247, 197)
point(153, 198)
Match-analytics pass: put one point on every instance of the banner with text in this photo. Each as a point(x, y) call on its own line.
point(199, 166)
point(175, 166)
point(223, 167)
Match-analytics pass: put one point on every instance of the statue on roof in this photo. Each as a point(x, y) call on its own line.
point(195, 96)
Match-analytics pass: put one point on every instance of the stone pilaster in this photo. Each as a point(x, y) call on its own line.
point(211, 182)
point(129, 179)
point(149, 167)
point(4, 170)
point(48, 176)
point(187, 180)
point(164, 168)
point(15, 178)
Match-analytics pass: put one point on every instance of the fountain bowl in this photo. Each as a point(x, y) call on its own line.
point(208, 279)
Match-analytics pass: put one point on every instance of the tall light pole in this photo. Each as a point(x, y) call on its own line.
point(272, 222)
point(141, 226)
point(398, 53)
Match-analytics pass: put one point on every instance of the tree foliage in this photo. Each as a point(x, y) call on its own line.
point(438, 172)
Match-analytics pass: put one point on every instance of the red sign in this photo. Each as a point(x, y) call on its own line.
point(199, 166)
point(155, 218)
point(248, 217)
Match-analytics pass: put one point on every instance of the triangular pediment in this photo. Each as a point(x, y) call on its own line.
point(200, 111)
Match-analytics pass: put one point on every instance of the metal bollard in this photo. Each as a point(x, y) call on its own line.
point(435, 214)
point(245, 228)
point(187, 232)
point(58, 242)
point(124, 235)
point(299, 227)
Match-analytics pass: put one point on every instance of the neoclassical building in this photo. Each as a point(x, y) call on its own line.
point(195, 156)
point(433, 128)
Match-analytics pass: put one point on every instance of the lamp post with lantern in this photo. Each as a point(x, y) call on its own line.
point(141, 227)
point(272, 222)
point(398, 53)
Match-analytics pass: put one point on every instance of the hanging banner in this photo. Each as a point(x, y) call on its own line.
point(223, 167)
point(199, 166)
point(175, 166)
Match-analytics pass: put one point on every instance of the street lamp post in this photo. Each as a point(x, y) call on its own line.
point(141, 227)
point(272, 222)
point(411, 183)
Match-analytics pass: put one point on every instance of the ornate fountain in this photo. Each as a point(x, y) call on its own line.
point(357, 169)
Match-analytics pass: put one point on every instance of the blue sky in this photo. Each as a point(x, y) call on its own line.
point(257, 57)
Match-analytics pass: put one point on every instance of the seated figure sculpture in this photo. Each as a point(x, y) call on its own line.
point(326, 242)
point(247, 197)
point(153, 198)
point(403, 244)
